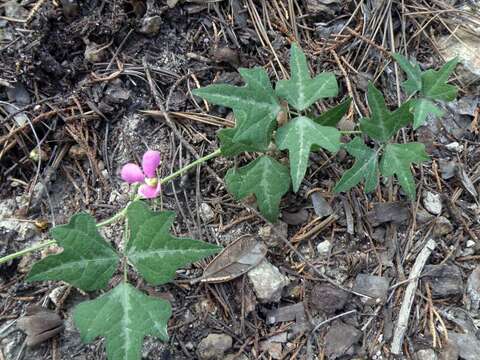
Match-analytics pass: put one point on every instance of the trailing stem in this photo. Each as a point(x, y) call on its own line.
point(119, 215)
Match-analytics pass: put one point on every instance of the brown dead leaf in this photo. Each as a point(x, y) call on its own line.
point(40, 324)
point(236, 259)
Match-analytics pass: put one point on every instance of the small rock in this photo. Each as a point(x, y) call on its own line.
point(470, 243)
point(466, 105)
point(274, 349)
point(267, 282)
point(235, 357)
point(316, 7)
point(454, 146)
point(467, 344)
point(379, 234)
point(442, 227)
point(423, 216)
point(321, 207)
point(432, 203)
point(340, 340)
point(214, 346)
point(446, 280)
point(172, 3)
point(287, 313)
point(227, 55)
point(464, 46)
point(449, 351)
point(448, 168)
point(269, 233)
point(116, 93)
point(206, 212)
point(426, 354)
point(374, 286)
point(328, 298)
point(473, 289)
point(323, 248)
point(151, 25)
point(19, 94)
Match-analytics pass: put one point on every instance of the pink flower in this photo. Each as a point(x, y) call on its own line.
point(132, 173)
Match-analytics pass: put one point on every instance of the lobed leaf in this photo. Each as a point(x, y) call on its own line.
point(153, 251)
point(264, 177)
point(434, 84)
point(123, 316)
point(301, 91)
point(365, 167)
point(255, 106)
point(232, 144)
point(421, 108)
point(414, 74)
point(298, 136)
point(229, 147)
point(397, 160)
point(87, 261)
point(383, 123)
point(333, 116)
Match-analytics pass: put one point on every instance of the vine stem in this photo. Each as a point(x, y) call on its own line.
point(118, 215)
point(27, 250)
point(189, 166)
point(347, 132)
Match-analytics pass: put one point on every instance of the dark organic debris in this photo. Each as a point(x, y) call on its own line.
point(340, 340)
point(396, 212)
point(373, 286)
point(295, 218)
point(287, 313)
point(445, 280)
point(328, 298)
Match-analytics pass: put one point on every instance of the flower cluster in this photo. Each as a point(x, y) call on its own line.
point(146, 175)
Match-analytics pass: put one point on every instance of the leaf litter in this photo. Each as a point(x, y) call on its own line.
point(52, 54)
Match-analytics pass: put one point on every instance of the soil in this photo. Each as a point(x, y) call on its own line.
point(75, 89)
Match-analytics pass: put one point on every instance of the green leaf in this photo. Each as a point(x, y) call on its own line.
point(229, 147)
point(397, 160)
point(255, 106)
point(383, 123)
point(434, 82)
point(365, 167)
point(333, 116)
point(153, 251)
point(301, 90)
point(123, 316)
point(232, 144)
point(264, 177)
point(414, 74)
point(298, 136)
point(87, 261)
point(421, 108)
